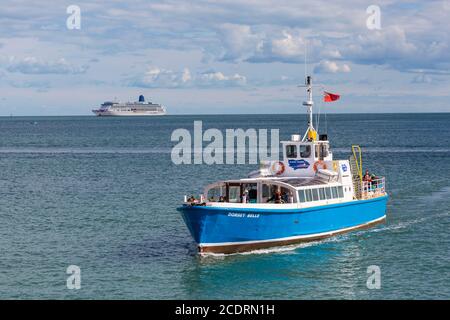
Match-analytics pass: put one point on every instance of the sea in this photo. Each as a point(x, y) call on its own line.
point(99, 196)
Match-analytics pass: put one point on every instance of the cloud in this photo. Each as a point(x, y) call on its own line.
point(264, 40)
point(387, 46)
point(239, 42)
point(156, 77)
point(42, 85)
point(242, 43)
point(326, 66)
point(32, 65)
point(422, 78)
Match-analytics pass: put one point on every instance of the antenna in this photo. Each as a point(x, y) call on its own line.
point(309, 104)
point(306, 49)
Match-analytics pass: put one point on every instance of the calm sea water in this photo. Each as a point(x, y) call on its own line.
point(101, 193)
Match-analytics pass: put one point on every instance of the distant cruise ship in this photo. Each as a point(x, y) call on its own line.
point(139, 108)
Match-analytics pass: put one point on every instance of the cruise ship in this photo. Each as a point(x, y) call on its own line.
point(138, 108)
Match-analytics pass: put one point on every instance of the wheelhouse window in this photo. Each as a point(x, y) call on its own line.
point(318, 194)
point(305, 151)
point(315, 194)
point(328, 193)
point(291, 151)
point(323, 150)
point(334, 192)
point(308, 195)
point(234, 193)
point(340, 192)
point(265, 191)
point(322, 194)
point(301, 195)
point(215, 193)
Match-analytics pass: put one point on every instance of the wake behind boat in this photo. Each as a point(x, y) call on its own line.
point(305, 197)
point(138, 108)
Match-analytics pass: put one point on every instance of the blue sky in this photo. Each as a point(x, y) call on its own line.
point(223, 56)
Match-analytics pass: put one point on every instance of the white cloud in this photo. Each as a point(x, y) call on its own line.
point(186, 76)
point(388, 45)
point(33, 65)
point(156, 77)
point(422, 78)
point(288, 46)
point(239, 41)
point(326, 66)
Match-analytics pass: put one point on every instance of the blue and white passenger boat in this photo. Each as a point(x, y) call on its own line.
point(306, 196)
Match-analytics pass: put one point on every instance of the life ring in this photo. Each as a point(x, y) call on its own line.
point(320, 163)
point(278, 167)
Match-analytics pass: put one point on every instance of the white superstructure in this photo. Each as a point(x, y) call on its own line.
point(138, 108)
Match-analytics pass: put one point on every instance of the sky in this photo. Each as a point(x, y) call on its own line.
point(224, 57)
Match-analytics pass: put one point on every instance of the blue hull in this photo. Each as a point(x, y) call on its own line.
point(228, 230)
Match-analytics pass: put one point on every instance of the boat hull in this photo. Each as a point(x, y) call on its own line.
point(231, 230)
point(126, 113)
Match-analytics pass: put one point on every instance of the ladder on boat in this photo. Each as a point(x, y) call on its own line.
point(356, 169)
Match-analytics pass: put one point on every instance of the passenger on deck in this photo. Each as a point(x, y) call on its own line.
point(276, 198)
point(285, 197)
point(221, 199)
point(367, 177)
point(245, 196)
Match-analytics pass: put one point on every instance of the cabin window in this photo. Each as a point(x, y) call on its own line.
point(315, 194)
point(305, 151)
point(322, 194)
point(214, 193)
point(291, 151)
point(234, 194)
point(323, 151)
point(317, 149)
point(265, 191)
point(328, 193)
point(334, 192)
point(301, 195)
point(340, 192)
point(308, 194)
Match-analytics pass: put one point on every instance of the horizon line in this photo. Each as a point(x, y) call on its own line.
point(221, 114)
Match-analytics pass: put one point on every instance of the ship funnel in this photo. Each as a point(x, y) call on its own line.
point(141, 98)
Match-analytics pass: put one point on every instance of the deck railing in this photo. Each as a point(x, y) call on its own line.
point(373, 188)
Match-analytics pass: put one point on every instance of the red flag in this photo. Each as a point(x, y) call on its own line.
point(330, 97)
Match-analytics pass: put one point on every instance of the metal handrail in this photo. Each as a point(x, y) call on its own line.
point(373, 188)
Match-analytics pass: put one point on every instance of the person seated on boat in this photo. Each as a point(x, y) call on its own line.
point(285, 197)
point(191, 199)
point(221, 199)
point(276, 198)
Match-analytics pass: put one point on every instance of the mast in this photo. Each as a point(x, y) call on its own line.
point(311, 133)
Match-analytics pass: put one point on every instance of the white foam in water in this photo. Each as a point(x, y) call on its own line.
point(288, 249)
point(442, 194)
point(397, 149)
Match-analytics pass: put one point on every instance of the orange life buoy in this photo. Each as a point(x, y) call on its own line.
point(280, 169)
point(320, 163)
